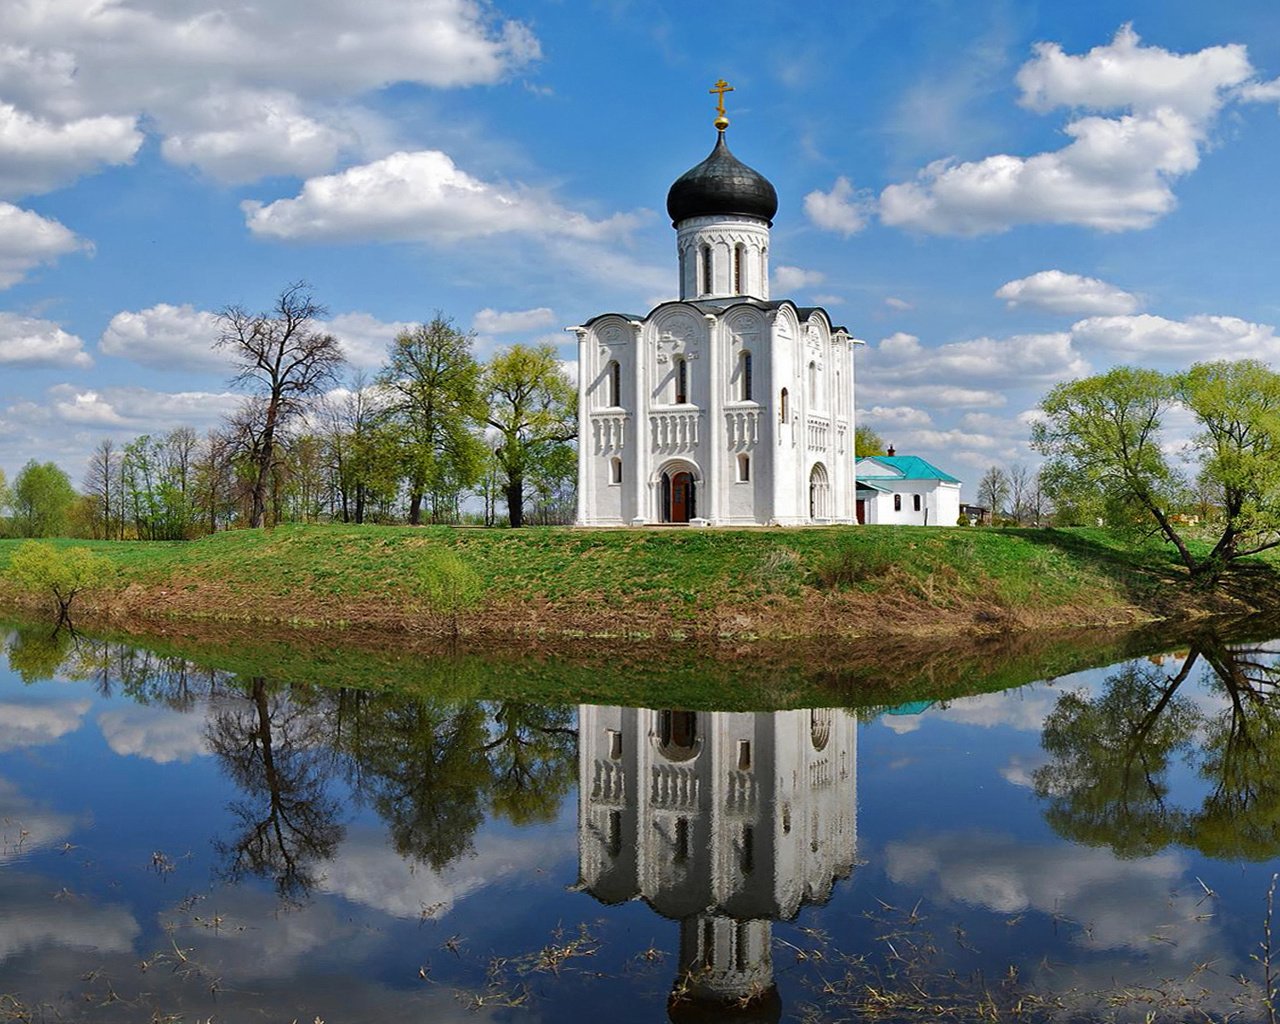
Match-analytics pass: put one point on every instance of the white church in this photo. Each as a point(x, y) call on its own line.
point(724, 407)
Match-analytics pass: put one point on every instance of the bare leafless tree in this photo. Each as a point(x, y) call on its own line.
point(1020, 483)
point(178, 456)
point(101, 484)
point(284, 360)
point(993, 491)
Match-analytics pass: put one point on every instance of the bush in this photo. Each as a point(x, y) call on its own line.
point(62, 572)
point(852, 566)
point(449, 585)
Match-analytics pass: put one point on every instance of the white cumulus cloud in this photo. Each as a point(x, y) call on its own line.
point(27, 341)
point(1060, 292)
point(37, 154)
point(242, 134)
point(1147, 337)
point(419, 196)
point(790, 279)
point(138, 409)
point(1118, 171)
point(491, 321)
point(245, 89)
point(843, 209)
point(167, 337)
point(28, 240)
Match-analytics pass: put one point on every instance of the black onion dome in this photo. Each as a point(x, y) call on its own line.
point(721, 184)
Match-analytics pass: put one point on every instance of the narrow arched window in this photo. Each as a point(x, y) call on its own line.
point(915, 502)
point(682, 380)
point(839, 395)
point(706, 270)
point(614, 377)
point(744, 376)
point(615, 470)
point(897, 502)
point(783, 406)
point(744, 469)
point(813, 385)
point(738, 287)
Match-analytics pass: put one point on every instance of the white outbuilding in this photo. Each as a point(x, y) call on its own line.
point(906, 490)
point(724, 407)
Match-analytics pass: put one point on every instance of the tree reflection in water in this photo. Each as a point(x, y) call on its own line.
point(431, 770)
point(1108, 781)
point(274, 750)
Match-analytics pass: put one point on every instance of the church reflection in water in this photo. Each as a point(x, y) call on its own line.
point(724, 822)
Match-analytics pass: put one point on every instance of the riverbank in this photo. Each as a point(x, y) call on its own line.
point(655, 584)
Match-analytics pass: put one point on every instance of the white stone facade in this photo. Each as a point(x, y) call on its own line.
point(720, 408)
point(723, 821)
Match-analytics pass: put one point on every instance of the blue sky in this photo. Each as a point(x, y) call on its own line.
point(994, 196)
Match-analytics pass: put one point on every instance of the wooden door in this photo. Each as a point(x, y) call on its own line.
point(681, 497)
point(862, 510)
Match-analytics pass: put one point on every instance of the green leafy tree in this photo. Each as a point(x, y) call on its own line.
point(62, 573)
point(533, 408)
point(42, 497)
point(1103, 438)
point(432, 382)
point(867, 442)
point(285, 361)
point(159, 486)
point(6, 497)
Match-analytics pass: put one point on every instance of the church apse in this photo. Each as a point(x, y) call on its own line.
point(723, 822)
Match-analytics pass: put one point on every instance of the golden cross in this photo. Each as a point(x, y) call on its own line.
point(721, 87)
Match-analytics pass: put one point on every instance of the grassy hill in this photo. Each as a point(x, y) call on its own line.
point(837, 582)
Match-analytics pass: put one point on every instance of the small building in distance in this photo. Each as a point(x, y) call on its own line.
point(725, 406)
point(906, 491)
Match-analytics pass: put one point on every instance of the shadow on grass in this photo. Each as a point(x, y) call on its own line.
point(1150, 575)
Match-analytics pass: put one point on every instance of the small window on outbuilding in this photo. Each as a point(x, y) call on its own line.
point(915, 502)
point(897, 502)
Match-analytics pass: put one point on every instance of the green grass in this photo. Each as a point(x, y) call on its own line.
point(680, 574)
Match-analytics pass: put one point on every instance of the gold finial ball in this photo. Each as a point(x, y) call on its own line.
point(721, 123)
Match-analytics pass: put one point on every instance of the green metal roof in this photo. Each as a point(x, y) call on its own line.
point(907, 467)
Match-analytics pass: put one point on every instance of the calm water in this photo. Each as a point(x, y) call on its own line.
point(180, 841)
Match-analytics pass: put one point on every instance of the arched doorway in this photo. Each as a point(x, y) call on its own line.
point(679, 497)
point(819, 493)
